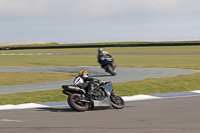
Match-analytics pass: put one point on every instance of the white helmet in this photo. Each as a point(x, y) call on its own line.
point(78, 80)
point(100, 49)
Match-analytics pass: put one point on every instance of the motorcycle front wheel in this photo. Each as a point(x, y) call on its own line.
point(116, 101)
point(75, 103)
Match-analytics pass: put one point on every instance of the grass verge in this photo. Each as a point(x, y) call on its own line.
point(160, 85)
point(134, 61)
point(21, 78)
point(147, 86)
point(113, 50)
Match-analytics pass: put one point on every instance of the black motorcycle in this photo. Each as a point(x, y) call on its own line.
point(109, 66)
point(103, 96)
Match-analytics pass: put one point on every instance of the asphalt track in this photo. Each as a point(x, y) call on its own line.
point(174, 115)
point(169, 115)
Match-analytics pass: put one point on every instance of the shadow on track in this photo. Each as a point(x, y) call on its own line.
point(56, 109)
point(71, 110)
point(101, 76)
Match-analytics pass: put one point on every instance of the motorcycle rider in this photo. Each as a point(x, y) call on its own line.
point(87, 83)
point(102, 54)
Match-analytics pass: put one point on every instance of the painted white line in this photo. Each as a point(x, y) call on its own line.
point(21, 54)
point(139, 97)
point(196, 91)
point(8, 120)
point(30, 54)
point(83, 66)
point(21, 106)
point(36, 105)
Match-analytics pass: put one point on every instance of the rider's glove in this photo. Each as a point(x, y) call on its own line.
point(102, 82)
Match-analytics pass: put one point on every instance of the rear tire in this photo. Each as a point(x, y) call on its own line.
point(75, 103)
point(110, 69)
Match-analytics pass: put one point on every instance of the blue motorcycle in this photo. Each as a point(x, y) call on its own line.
point(109, 66)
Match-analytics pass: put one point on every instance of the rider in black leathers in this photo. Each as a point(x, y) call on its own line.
point(87, 83)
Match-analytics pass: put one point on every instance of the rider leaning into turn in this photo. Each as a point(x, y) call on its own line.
point(102, 54)
point(87, 83)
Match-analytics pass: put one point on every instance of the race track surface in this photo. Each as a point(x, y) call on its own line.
point(170, 115)
point(173, 115)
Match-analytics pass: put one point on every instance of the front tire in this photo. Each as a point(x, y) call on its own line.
point(75, 103)
point(116, 101)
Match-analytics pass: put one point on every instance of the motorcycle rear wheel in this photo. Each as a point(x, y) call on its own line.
point(117, 102)
point(75, 103)
point(110, 69)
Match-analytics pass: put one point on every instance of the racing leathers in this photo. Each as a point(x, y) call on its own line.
point(89, 84)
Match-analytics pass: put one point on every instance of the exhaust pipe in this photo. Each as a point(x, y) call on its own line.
point(71, 88)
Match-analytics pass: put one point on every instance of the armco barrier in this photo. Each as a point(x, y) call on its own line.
point(105, 45)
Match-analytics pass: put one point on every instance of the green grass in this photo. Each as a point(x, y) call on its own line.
point(136, 61)
point(147, 86)
point(31, 60)
point(161, 85)
point(32, 97)
point(162, 61)
point(21, 78)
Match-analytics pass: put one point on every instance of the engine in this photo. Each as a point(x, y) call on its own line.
point(99, 95)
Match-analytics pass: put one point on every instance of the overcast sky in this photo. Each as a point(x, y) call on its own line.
point(81, 21)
